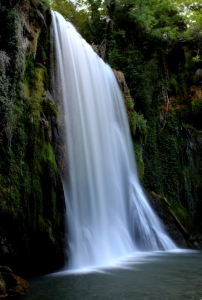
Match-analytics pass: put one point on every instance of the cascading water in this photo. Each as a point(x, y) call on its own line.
point(108, 215)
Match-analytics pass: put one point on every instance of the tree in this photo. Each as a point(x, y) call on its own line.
point(192, 12)
point(76, 12)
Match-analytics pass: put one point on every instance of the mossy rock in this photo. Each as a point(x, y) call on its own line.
point(11, 284)
point(49, 108)
point(182, 215)
point(172, 225)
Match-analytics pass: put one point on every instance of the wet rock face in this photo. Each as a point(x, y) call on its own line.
point(121, 81)
point(175, 229)
point(172, 225)
point(11, 284)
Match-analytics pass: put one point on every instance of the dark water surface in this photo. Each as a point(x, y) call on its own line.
point(156, 276)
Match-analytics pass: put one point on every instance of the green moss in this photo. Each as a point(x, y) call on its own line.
point(130, 103)
point(173, 85)
point(31, 194)
point(196, 106)
point(136, 121)
point(133, 124)
point(141, 123)
point(174, 103)
point(153, 173)
point(49, 108)
point(175, 151)
point(46, 229)
point(183, 216)
point(49, 156)
point(28, 67)
point(139, 162)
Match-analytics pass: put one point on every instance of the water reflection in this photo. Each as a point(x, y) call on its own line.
point(155, 276)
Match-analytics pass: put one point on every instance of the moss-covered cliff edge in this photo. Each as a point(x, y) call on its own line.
point(167, 137)
point(31, 193)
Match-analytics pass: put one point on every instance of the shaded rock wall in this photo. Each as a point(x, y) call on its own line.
point(175, 229)
point(31, 192)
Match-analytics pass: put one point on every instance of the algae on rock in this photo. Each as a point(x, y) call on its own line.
point(31, 192)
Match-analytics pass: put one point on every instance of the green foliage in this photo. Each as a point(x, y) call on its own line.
point(140, 123)
point(29, 67)
point(49, 157)
point(144, 41)
point(149, 42)
point(196, 106)
point(46, 4)
point(75, 12)
point(31, 193)
point(182, 215)
point(173, 85)
point(153, 173)
point(5, 101)
point(192, 13)
point(168, 142)
point(163, 21)
point(151, 47)
point(176, 154)
point(139, 161)
point(196, 58)
point(114, 55)
point(136, 121)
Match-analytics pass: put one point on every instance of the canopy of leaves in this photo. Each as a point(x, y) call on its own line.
point(74, 12)
point(192, 12)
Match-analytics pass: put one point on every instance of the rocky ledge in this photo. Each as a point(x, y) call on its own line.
point(11, 284)
point(175, 229)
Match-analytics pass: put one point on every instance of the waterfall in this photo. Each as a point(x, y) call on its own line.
point(108, 216)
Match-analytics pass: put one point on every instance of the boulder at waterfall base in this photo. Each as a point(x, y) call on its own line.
point(11, 284)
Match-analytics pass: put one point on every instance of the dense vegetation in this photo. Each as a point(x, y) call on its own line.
point(158, 46)
point(31, 192)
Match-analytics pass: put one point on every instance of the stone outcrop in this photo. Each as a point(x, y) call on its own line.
point(121, 81)
point(175, 229)
point(11, 284)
